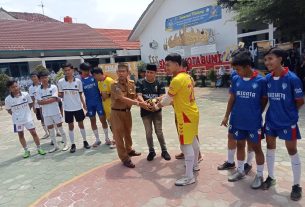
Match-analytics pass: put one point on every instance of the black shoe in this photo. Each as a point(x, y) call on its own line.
point(151, 155)
point(226, 166)
point(247, 168)
point(268, 183)
point(73, 148)
point(86, 145)
point(165, 155)
point(296, 193)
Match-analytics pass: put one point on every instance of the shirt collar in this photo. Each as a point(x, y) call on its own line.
point(284, 72)
point(14, 96)
point(67, 79)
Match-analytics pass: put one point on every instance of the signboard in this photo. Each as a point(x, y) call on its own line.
point(199, 16)
point(111, 68)
point(203, 49)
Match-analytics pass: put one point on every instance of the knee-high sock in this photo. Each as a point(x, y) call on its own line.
point(250, 157)
point(296, 168)
point(240, 166)
point(106, 133)
point(97, 138)
point(45, 129)
point(53, 136)
point(63, 134)
point(188, 151)
point(196, 149)
point(231, 155)
point(83, 133)
point(270, 157)
point(71, 136)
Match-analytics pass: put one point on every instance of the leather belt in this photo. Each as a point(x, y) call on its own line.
point(124, 110)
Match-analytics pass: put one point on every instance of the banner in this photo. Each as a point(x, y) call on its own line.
point(199, 16)
point(111, 68)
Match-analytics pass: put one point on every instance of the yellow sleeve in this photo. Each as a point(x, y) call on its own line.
point(174, 87)
point(100, 86)
point(110, 81)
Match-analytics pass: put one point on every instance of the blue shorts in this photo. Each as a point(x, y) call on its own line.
point(92, 110)
point(288, 133)
point(254, 136)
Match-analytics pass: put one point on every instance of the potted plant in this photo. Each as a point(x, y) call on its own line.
point(212, 77)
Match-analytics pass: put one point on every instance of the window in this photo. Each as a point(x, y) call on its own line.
point(55, 65)
point(15, 69)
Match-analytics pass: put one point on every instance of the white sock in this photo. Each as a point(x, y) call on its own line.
point(188, 152)
point(63, 134)
point(45, 129)
point(250, 157)
point(56, 128)
point(231, 155)
point(71, 135)
point(26, 149)
point(196, 149)
point(270, 157)
point(296, 168)
point(53, 137)
point(106, 133)
point(97, 138)
point(83, 133)
point(240, 166)
point(260, 170)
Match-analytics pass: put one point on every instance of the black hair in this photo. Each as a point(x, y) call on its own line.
point(123, 65)
point(34, 73)
point(9, 83)
point(241, 57)
point(97, 71)
point(85, 66)
point(185, 64)
point(43, 73)
point(174, 57)
point(278, 52)
point(67, 65)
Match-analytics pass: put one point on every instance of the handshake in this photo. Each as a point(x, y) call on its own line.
point(152, 104)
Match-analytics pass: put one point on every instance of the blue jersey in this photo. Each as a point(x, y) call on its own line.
point(233, 73)
point(91, 91)
point(282, 93)
point(247, 109)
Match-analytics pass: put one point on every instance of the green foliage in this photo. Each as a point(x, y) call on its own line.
point(3, 90)
point(40, 68)
point(212, 75)
point(288, 16)
point(59, 75)
point(141, 66)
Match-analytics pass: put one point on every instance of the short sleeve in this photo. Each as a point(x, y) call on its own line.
point(31, 91)
point(232, 89)
point(264, 87)
point(39, 95)
point(7, 104)
point(174, 87)
point(28, 97)
point(139, 87)
point(80, 85)
point(60, 86)
point(297, 88)
point(161, 88)
point(116, 92)
point(54, 92)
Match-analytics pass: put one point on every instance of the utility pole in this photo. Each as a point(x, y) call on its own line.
point(42, 7)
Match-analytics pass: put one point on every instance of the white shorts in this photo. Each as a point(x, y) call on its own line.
point(20, 127)
point(55, 119)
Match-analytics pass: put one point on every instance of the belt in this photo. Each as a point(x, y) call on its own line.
point(125, 110)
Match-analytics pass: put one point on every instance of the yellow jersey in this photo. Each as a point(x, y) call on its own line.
point(105, 86)
point(182, 90)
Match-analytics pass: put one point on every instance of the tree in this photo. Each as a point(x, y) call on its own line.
point(40, 68)
point(3, 90)
point(288, 16)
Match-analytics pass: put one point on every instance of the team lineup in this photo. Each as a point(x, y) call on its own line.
point(279, 93)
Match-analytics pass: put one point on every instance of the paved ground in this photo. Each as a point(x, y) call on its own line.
point(96, 178)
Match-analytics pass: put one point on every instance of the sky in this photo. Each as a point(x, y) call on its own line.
point(119, 14)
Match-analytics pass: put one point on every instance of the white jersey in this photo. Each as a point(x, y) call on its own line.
point(71, 97)
point(21, 112)
point(43, 94)
point(33, 93)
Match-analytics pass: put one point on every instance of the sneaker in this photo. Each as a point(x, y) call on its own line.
point(108, 142)
point(268, 183)
point(185, 181)
point(112, 145)
point(133, 153)
point(66, 147)
point(97, 143)
point(41, 152)
point(179, 156)
point(196, 168)
point(86, 145)
point(151, 155)
point(26, 154)
point(45, 136)
point(165, 155)
point(257, 182)
point(73, 148)
point(226, 166)
point(296, 193)
point(51, 143)
point(236, 176)
point(53, 149)
point(247, 168)
point(129, 164)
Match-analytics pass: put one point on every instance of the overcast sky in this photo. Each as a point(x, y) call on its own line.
point(121, 14)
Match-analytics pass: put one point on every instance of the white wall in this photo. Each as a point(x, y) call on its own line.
point(225, 30)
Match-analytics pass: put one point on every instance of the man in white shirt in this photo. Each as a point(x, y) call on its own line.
point(71, 89)
point(19, 104)
point(47, 97)
point(37, 110)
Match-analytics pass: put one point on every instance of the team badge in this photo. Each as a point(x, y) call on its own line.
point(269, 85)
point(24, 99)
point(284, 86)
point(254, 85)
point(237, 84)
point(285, 131)
point(236, 133)
point(75, 86)
point(251, 136)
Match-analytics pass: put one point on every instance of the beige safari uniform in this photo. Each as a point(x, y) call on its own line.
point(120, 117)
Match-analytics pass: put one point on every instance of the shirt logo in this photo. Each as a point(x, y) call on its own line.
point(251, 136)
point(24, 99)
point(284, 86)
point(156, 87)
point(254, 85)
point(285, 131)
point(298, 90)
point(237, 84)
point(269, 85)
point(75, 86)
point(236, 133)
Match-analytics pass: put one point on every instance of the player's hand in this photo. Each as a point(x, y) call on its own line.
point(144, 105)
point(224, 122)
point(85, 107)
